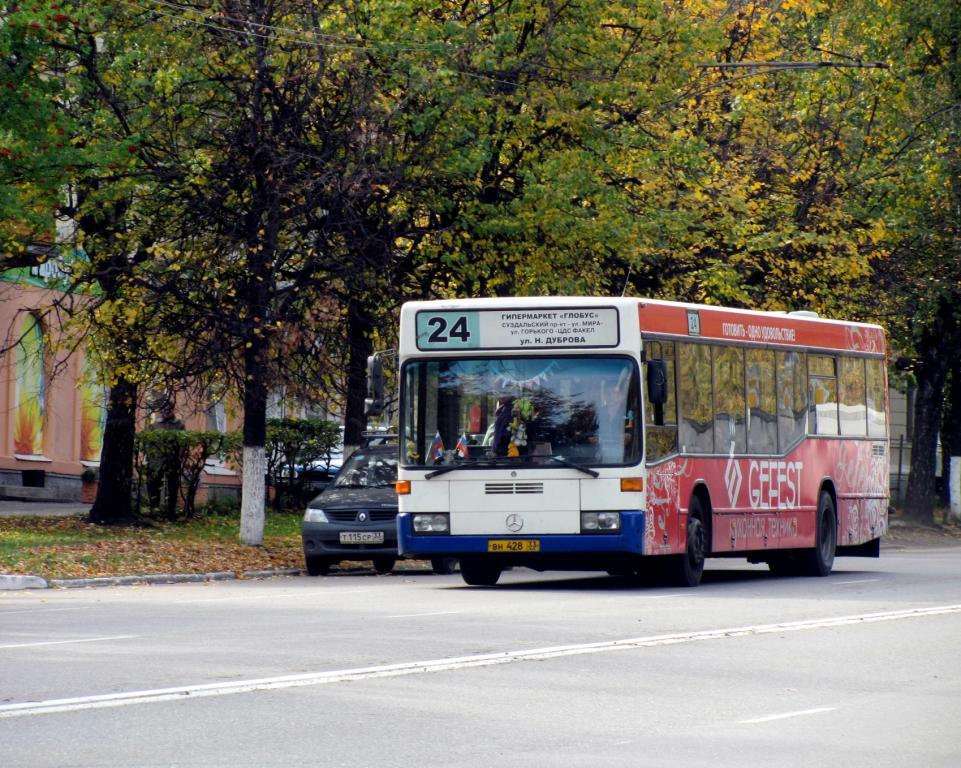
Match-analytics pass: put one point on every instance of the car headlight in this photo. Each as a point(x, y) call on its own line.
point(431, 524)
point(600, 521)
point(314, 515)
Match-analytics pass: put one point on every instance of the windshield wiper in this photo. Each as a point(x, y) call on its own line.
point(572, 465)
point(500, 462)
point(467, 464)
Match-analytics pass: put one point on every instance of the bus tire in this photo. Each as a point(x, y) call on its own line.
point(687, 569)
point(479, 572)
point(384, 564)
point(317, 566)
point(820, 560)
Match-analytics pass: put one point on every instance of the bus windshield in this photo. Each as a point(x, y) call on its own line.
point(492, 412)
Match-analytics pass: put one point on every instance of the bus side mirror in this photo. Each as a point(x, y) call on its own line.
point(656, 382)
point(374, 402)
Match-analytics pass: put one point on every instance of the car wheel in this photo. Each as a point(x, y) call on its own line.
point(384, 564)
point(317, 566)
point(443, 565)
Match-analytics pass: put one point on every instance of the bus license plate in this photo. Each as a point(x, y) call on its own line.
point(513, 545)
point(361, 537)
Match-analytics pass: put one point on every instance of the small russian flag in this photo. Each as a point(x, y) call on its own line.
point(461, 446)
point(437, 448)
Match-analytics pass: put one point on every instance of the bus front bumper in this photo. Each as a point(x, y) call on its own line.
point(629, 540)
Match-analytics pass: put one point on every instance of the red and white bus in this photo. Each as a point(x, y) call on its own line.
point(618, 434)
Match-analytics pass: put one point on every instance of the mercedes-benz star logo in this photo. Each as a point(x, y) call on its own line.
point(514, 523)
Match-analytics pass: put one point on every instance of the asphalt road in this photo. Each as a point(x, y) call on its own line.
point(856, 669)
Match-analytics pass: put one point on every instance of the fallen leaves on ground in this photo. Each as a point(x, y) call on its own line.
point(78, 549)
point(81, 550)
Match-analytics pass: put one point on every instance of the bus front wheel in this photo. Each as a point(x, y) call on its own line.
point(687, 569)
point(479, 573)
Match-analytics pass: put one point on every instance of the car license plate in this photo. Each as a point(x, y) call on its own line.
point(361, 537)
point(513, 545)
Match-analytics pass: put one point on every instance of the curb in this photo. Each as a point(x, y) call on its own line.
point(15, 581)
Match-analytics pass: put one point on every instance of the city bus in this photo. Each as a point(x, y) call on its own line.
point(638, 436)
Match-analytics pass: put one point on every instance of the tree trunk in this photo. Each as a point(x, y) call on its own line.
point(931, 374)
point(113, 503)
point(360, 325)
point(951, 442)
point(255, 438)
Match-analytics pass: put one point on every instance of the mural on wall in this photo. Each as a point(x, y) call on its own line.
point(93, 412)
point(29, 391)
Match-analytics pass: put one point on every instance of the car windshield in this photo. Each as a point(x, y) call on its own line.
point(520, 410)
point(368, 469)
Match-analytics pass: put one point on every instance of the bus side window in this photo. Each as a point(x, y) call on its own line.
point(660, 422)
point(852, 397)
point(696, 398)
point(761, 402)
point(791, 398)
point(823, 378)
point(877, 411)
point(729, 412)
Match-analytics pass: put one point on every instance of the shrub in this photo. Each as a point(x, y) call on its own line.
point(170, 462)
point(292, 445)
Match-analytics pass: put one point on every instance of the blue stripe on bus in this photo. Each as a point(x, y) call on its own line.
point(630, 539)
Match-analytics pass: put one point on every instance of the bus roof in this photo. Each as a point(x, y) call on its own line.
point(773, 328)
point(658, 317)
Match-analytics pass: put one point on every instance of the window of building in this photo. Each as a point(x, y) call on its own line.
point(30, 389)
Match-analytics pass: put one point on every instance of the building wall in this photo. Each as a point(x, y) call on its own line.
point(55, 459)
point(72, 411)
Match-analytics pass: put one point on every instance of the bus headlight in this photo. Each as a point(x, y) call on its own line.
point(431, 523)
point(314, 515)
point(600, 521)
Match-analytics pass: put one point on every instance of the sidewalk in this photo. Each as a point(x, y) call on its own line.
point(10, 508)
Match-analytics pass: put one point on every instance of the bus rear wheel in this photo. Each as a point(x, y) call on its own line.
point(820, 560)
point(479, 573)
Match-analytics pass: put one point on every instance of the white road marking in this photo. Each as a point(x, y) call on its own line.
point(418, 615)
point(786, 715)
point(68, 642)
point(439, 665)
point(854, 581)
